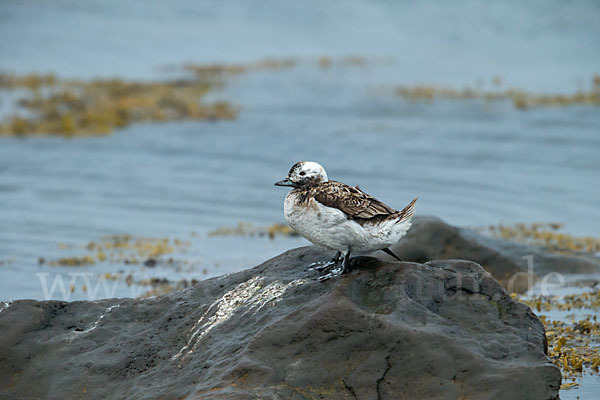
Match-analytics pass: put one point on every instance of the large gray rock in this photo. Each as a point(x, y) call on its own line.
point(432, 239)
point(439, 330)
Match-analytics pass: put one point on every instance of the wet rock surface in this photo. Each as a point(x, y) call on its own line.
point(430, 238)
point(443, 329)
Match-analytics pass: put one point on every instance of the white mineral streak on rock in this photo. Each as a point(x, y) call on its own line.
point(95, 325)
point(271, 294)
point(250, 293)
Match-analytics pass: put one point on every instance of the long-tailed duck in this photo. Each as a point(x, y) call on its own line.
point(340, 217)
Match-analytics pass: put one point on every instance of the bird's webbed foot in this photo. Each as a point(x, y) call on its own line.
point(342, 266)
point(326, 266)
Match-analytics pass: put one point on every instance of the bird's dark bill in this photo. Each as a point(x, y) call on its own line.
point(284, 182)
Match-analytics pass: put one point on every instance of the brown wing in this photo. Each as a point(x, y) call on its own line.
point(350, 200)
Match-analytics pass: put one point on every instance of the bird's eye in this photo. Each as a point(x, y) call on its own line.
point(302, 173)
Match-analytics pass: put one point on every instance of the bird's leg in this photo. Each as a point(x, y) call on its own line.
point(346, 263)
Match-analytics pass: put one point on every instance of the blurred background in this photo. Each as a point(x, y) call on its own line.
point(139, 141)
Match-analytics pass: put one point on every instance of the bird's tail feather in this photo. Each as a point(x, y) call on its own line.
point(407, 212)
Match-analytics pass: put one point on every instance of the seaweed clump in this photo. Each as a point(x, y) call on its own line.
point(124, 249)
point(29, 81)
point(520, 99)
point(135, 250)
point(546, 235)
point(574, 346)
point(210, 71)
point(73, 261)
point(75, 108)
point(274, 64)
point(247, 229)
point(70, 108)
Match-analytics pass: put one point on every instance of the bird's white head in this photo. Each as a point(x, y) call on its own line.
point(304, 173)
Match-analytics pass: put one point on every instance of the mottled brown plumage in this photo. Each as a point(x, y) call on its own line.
point(356, 204)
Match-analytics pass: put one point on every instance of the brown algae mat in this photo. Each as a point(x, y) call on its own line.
point(81, 108)
point(133, 251)
point(547, 235)
point(247, 229)
point(571, 322)
point(49, 105)
point(126, 249)
point(521, 99)
point(573, 341)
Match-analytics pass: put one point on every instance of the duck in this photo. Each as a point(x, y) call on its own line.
point(340, 217)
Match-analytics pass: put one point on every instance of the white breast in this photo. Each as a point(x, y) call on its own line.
point(317, 223)
point(329, 227)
